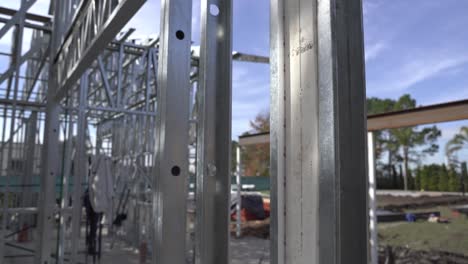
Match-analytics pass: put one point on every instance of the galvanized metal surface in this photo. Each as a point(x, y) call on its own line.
point(373, 232)
point(214, 133)
point(317, 103)
point(95, 24)
point(317, 106)
point(50, 154)
point(239, 173)
point(172, 128)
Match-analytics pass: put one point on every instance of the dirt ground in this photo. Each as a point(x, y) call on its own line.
point(423, 242)
point(261, 228)
point(395, 254)
point(397, 203)
point(401, 255)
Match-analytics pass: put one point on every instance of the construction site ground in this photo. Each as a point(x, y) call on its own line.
point(403, 242)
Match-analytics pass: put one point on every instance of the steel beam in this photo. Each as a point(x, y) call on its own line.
point(318, 140)
point(17, 49)
point(31, 16)
point(171, 133)
point(27, 179)
point(91, 32)
point(373, 232)
point(239, 173)
point(80, 169)
point(22, 103)
point(239, 56)
point(430, 114)
point(66, 175)
point(105, 82)
point(50, 152)
point(214, 133)
point(46, 29)
point(29, 55)
point(260, 138)
point(15, 19)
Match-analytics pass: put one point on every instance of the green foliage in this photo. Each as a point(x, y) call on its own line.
point(401, 181)
point(411, 181)
point(454, 181)
point(417, 179)
point(378, 106)
point(435, 177)
point(256, 158)
point(384, 142)
point(402, 145)
point(443, 179)
point(464, 173)
point(410, 138)
point(424, 185)
point(464, 176)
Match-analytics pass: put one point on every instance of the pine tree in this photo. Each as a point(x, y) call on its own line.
point(424, 178)
point(411, 180)
point(394, 178)
point(443, 179)
point(417, 179)
point(401, 179)
point(464, 177)
point(433, 173)
point(410, 138)
point(454, 182)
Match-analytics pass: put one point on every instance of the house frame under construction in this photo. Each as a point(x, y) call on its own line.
point(157, 112)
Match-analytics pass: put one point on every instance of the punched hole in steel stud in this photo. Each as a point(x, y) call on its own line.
point(180, 34)
point(175, 171)
point(214, 10)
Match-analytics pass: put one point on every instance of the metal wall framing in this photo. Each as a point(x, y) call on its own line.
point(160, 117)
point(318, 168)
point(171, 165)
point(214, 133)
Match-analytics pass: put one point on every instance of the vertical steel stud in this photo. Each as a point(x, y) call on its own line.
point(318, 139)
point(373, 233)
point(214, 133)
point(171, 164)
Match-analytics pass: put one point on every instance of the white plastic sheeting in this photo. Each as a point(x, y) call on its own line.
point(101, 189)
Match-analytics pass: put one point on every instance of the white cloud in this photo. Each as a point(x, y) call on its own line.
point(418, 71)
point(402, 77)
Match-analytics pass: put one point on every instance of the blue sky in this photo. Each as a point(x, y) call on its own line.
point(418, 47)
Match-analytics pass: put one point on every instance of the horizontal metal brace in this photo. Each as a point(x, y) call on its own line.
point(34, 17)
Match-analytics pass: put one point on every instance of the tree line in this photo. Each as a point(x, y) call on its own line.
point(400, 148)
point(432, 177)
point(399, 152)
